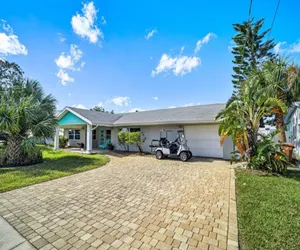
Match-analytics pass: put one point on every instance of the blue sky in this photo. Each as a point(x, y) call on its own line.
point(105, 54)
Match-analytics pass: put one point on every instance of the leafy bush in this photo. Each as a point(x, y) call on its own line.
point(131, 138)
point(122, 140)
point(268, 155)
point(63, 141)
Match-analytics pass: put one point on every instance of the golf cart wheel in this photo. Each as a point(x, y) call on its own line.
point(190, 155)
point(159, 155)
point(183, 156)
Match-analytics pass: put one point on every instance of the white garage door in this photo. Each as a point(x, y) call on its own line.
point(204, 140)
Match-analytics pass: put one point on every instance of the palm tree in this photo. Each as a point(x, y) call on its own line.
point(241, 117)
point(282, 81)
point(25, 113)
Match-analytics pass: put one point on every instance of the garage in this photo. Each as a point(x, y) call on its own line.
point(204, 140)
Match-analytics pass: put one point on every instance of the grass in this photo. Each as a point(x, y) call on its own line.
point(56, 164)
point(268, 210)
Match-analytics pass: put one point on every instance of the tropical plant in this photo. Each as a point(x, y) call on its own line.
point(241, 117)
point(136, 138)
point(9, 72)
point(268, 155)
point(250, 50)
point(63, 140)
point(122, 139)
point(25, 112)
point(282, 81)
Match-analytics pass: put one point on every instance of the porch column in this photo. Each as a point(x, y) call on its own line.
point(56, 139)
point(89, 138)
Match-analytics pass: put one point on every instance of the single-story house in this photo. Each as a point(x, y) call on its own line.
point(292, 121)
point(92, 128)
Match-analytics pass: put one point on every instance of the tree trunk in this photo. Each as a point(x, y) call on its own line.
point(13, 152)
point(279, 120)
point(251, 141)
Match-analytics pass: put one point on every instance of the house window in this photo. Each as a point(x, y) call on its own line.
point(74, 134)
point(108, 134)
point(94, 134)
point(135, 130)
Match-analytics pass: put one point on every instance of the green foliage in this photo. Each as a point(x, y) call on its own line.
point(101, 109)
point(63, 140)
point(131, 138)
point(25, 111)
point(250, 50)
point(241, 117)
point(268, 155)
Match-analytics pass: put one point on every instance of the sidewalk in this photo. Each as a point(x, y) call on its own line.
point(11, 239)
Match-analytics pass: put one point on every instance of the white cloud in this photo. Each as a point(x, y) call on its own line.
point(79, 106)
point(191, 104)
point(69, 94)
point(172, 107)
point(84, 25)
point(69, 62)
point(136, 109)
point(60, 37)
point(295, 47)
point(103, 21)
point(151, 57)
point(292, 48)
point(9, 42)
point(100, 104)
point(120, 101)
point(204, 40)
point(64, 77)
point(180, 65)
point(155, 98)
point(277, 48)
point(150, 33)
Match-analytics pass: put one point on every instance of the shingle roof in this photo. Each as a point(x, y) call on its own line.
point(97, 117)
point(192, 114)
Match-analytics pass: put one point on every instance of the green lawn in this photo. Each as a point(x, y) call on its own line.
point(268, 210)
point(56, 164)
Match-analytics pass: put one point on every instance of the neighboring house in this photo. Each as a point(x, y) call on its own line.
point(292, 121)
point(198, 122)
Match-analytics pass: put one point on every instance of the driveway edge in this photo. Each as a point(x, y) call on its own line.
point(232, 243)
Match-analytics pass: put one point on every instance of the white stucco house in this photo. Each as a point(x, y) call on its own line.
point(292, 120)
point(92, 128)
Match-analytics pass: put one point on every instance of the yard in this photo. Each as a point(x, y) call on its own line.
point(56, 164)
point(268, 210)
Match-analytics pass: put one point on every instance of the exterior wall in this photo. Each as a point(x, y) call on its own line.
point(74, 143)
point(203, 140)
point(293, 133)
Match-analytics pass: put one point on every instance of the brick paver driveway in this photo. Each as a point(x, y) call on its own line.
point(133, 202)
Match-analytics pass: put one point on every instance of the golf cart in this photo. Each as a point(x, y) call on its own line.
point(178, 147)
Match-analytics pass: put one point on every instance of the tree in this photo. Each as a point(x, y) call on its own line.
point(241, 117)
point(98, 109)
point(282, 81)
point(25, 114)
point(9, 72)
point(250, 50)
point(135, 138)
point(101, 109)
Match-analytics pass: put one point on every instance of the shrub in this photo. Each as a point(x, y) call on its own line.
point(268, 155)
point(63, 141)
point(137, 139)
point(122, 140)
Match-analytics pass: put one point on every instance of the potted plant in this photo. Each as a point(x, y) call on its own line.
point(111, 146)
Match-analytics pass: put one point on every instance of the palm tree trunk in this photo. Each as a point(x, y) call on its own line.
point(251, 141)
point(13, 150)
point(279, 120)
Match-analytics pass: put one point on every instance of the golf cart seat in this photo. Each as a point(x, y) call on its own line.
point(164, 142)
